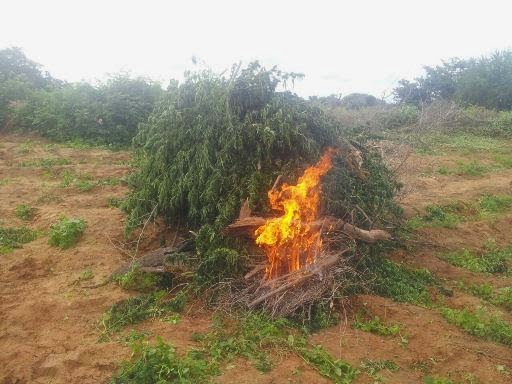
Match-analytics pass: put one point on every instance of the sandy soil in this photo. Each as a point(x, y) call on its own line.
point(48, 324)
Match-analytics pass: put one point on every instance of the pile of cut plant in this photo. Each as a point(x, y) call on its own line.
point(274, 203)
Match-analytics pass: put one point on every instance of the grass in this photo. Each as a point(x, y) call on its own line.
point(137, 280)
point(85, 183)
point(66, 232)
point(375, 325)
point(437, 380)
point(24, 212)
point(503, 160)
point(451, 214)
point(472, 168)
point(493, 260)
point(491, 204)
point(5, 180)
point(25, 147)
point(467, 143)
point(46, 163)
point(436, 216)
point(480, 324)
point(11, 238)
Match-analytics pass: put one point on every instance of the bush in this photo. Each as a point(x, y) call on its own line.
point(107, 114)
point(66, 232)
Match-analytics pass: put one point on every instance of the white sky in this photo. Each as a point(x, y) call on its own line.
point(341, 46)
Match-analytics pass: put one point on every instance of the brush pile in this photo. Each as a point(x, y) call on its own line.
point(232, 160)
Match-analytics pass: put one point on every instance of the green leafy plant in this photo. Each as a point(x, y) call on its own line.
point(24, 212)
point(138, 280)
point(497, 296)
point(159, 363)
point(11, 238)
point(374, 367)
point(375, 325)
point(66, 232)
point(87, 274)
point(396, 281)
point(139, 308)
point(480, 324)
point(338, 371)
point(493, 260)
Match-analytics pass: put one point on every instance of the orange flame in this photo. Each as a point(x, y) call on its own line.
point(289, 241)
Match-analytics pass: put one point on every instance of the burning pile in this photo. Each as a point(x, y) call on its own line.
point(290, 241)
point(298, 269)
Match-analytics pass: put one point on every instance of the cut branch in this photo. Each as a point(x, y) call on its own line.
point(248, 225)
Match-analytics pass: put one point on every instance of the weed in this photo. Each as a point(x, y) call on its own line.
point(495, 203)
point(46, 163)
point(85, 185)
point(24, 212)
point(139, 308)
point(437, 380)
point(501, 296)
point(472, 168)
point(373, 367)
point(114, 202)
point(25, 148)
point(504, 160)
point(5, 181)
point(439, 216)
point(67, 178)
point(161, 364)
point(493, 260)
point(480, 324)
point(337, 370)
point(137, 280)
point(11, 238)
point(376, 326)
point(86, 274)
point(66, 232)
point(397, 281)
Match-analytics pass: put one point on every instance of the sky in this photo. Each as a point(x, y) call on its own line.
point(340, 46)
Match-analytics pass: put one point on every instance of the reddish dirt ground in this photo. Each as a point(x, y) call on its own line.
point(49, 325)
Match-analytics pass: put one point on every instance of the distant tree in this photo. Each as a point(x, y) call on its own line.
point(484, 81)
point(19, 77)
point(359, 100)
point(488, 82)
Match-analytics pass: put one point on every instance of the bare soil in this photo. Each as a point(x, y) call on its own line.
point(49, 325)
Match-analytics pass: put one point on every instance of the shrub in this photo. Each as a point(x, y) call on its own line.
point(66, 232)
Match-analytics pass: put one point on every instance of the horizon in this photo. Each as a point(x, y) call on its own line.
point(85, 41)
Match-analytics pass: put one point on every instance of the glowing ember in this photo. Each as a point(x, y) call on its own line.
point(289, 241)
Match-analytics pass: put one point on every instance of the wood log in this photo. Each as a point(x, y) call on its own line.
point(246, 227)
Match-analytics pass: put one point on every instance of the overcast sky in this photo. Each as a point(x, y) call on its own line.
point(341, 46)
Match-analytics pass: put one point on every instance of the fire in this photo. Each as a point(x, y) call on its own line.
point(289, 241)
